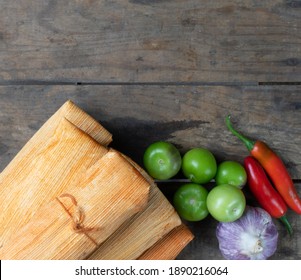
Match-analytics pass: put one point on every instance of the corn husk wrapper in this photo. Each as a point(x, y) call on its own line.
point(75, 116)
point(170, 246)
point(46, 172)
point(150, 226)
point(142, 230)
point(42, 170)
point(72, 225)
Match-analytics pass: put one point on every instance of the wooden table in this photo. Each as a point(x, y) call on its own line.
point(159, 70)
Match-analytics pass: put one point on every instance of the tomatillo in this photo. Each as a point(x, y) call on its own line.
point(231, 172)
point(226, 203)
point(162, 160)
point(199, 165)
point(190, 202)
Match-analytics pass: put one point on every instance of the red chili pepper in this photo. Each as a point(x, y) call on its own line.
point(264, 192)
point(274, 167)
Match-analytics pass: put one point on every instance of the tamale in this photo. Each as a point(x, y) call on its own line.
point(170, 246)
point(142, 230)
point(44, 171)
point(84, 122)
point(173, 242)
point(129, 246)
point(72, 225)
point(74, 115)
point(149, 232)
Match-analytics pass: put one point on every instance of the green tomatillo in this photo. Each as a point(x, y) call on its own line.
point(190, 202)
point(199, 165)
point(162, 160)
point(231, 172)
point(226, 203)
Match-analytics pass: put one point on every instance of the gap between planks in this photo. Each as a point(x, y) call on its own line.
point(99, 83)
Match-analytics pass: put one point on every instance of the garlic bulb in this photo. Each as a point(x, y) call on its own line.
point(252, 237)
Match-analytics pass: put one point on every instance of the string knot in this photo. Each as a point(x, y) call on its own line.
point(78, 217)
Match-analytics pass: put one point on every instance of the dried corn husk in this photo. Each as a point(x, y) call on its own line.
point(72, 225)
point(74, 115)
point(84, 122)
point(169, 247)
point(144, 229)
point(43, 170)
point(141, 232)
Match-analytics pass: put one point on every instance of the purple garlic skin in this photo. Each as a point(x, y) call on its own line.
point(254, 236)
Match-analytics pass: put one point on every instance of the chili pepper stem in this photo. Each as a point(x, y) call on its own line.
point(287, 225)
point(248, 143)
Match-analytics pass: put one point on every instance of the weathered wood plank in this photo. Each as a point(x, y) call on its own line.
point(188, 116)
point(150, 41)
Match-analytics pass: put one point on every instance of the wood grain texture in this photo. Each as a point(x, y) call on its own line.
point(150, 41)
point(188, 116)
